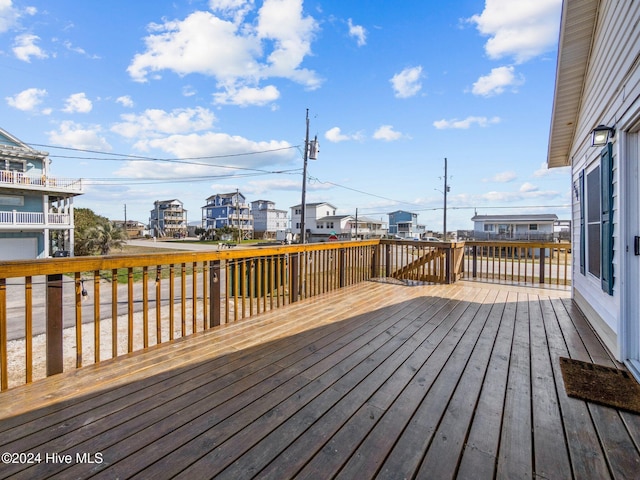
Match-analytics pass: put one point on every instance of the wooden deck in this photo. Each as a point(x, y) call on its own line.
point(376, 380)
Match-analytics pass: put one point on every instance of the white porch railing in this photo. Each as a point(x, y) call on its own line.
point(41, 182)
point(33, 218)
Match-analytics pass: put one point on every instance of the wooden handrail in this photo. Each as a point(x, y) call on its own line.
point(157, 297)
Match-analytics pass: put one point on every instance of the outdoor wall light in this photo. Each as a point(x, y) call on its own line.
point(601, 135)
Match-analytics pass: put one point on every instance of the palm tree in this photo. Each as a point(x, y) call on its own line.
point(102, 238)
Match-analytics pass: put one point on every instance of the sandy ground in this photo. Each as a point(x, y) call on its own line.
point(16, 351)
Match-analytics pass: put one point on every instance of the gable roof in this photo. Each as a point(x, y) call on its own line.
point(12, 146)
point(574, 51)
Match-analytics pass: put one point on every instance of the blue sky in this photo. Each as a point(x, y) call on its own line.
point(183, 99)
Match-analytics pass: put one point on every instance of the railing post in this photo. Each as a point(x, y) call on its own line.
point(388, 260)
point(54, 324)
point(374, 261)
point(214, 292)
point(294, 260)
point(474, 260)
point(342, 266)
point(4, 370)
point(542, 254)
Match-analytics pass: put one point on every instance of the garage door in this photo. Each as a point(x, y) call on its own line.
point(18, 248)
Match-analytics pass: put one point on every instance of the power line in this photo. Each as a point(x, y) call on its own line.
point(128, 157)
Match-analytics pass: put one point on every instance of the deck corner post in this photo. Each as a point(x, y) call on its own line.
point(214, 292)
point(54, 324)
point(374, 261)
point(449, 264)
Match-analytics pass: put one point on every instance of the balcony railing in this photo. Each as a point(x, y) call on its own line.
point(42, 182)
point(111, 306)
point(34, 218)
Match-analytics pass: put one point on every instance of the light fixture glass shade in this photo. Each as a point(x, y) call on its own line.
point(600, 135)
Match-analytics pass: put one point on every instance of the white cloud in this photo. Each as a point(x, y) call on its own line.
point(358, 32)
point(506, 197)
point(239, 53)
point(79, 50)
point(496, 82)
point(262, 187)
point(544, 171)
point(78, 103)
point(154, 123)
point(235, 10)
point(27, 100)
point(245, 96)
point(387, 133)
point(522, 29)
point(24, 47)
point(224, 151)
point(125, 101)
point(335, 135)
point(8, 15)
point(189, 91)
point(502, 177)
point(71, 134)
point(407, 83)
point(466, 123)
point(528, 187)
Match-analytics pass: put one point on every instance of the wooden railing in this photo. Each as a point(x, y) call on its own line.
point(436, 262)
point(64, 313)
point(519, 262)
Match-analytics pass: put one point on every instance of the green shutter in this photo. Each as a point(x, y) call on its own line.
point(583, 233)
point(606, 225)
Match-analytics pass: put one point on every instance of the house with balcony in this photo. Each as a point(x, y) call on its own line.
point(36, 208)
point(405, 224)
point(514, 227)
point(365, 228)
point(595, 130)
point(321, 222)
point(267, 219)
point(134, 228)
point(228, 210)
point(168, 219)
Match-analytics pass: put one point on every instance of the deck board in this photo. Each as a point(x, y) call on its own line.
point(376, 380)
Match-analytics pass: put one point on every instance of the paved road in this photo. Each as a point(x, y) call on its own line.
point(15, 294)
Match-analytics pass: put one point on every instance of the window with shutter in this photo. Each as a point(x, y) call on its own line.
point(606, 198)
point(583, 242)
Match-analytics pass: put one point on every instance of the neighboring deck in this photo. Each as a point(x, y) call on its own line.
point(374, 380)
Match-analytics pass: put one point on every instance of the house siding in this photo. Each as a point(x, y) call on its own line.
point(35, 205)
point(611, 90)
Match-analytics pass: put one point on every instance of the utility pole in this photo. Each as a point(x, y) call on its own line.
point(237, 216)
point(303, 235)
point(446, 189)
point(356, 224)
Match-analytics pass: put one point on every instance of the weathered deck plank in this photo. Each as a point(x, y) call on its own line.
point(376, 380)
